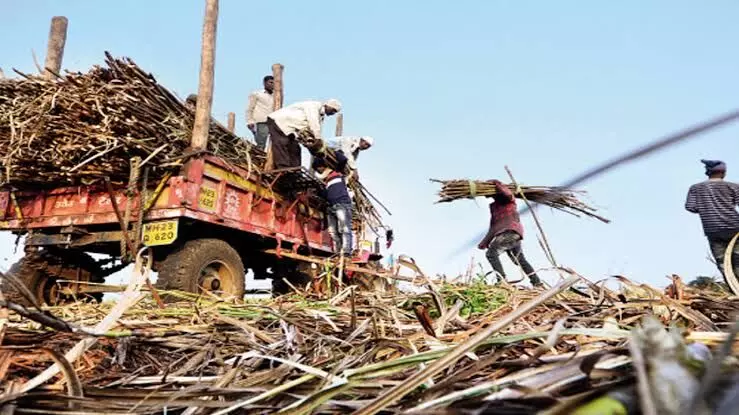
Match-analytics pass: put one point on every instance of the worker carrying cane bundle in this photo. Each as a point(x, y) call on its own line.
point(505, 234)
point(287, 123)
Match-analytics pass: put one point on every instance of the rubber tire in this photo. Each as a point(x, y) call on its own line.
point(30, 270)
point(298, 275)
point(181, 269)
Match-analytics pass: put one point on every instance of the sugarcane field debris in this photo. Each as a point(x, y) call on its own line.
point(311, 353)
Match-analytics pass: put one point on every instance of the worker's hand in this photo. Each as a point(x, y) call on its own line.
point(252, 128)
point(482, 246)
point(497, 182)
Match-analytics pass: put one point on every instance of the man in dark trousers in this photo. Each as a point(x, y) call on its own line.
point(715, 201)
point(287, 123)
point(261, 104)
point(336, 193)
point(505, 234)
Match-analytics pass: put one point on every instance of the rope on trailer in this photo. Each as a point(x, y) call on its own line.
point(130, 191)
point(157, 192)
point(142, 207)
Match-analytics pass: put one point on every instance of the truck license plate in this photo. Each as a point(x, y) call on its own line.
point(207, 199)
point(160, 233)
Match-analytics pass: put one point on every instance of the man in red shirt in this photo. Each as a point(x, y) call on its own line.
point(505, 234)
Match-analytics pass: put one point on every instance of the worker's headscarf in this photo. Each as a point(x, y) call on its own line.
point(714, 166)
point(333, 103)
point(369, 140)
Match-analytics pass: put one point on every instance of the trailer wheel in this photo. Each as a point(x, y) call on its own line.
point(41, 270)
point(298, 274)
point(203, 265)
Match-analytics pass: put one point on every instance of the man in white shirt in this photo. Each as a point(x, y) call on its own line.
point(287, 123)
point(350, 148)
point(261, 104)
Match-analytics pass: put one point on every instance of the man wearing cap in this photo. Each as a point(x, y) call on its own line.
point(715, 201)
point(350, 147)
point(287, 123)
point(261, 104)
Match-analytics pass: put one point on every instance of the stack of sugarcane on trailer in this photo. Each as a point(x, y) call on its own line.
point(110, 162)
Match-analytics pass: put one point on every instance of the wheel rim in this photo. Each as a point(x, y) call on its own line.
point(50, 291)
point(217, 277)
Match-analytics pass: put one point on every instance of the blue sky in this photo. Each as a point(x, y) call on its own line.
point(459, 90)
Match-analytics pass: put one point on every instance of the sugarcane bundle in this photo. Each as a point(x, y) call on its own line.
point(559, 198)
point(78, 128)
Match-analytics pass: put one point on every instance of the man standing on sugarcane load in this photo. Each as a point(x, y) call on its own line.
point(350, 147)
point(715, 201)
point(261, 104)
point(336, 193)
point(505, 234)
point(287, 123)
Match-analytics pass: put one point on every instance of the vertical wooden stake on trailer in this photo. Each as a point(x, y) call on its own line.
point(278, 95)
point(205, 85)
point(231, 122)
point(55, 46)
point(339, 125)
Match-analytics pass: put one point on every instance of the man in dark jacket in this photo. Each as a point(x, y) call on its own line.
point(339, 212)
point(715, 201)
point(505, 234)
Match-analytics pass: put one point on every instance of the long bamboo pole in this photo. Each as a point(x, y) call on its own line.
point(231, 122)
point(55, 46)
point(278, 95)
point(207, 69)
point(339, 125)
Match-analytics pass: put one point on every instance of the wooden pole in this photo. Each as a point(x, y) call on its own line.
point(205, 85)
point(278, 95)
point(2, 74)
point(231, 121)
point(55, 46)
point(279, 86)
point(339, 125)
